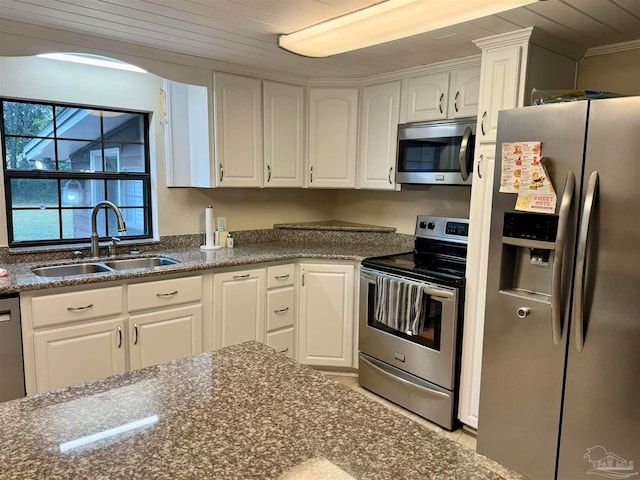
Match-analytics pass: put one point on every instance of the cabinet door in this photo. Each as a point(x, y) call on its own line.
point(464, 97)
point(238, 307)
point(165, 335)
point(70, 355)
point(238, 130)
point(326, 315)
point(476, 285)
point(425, 98)
point(187, 135)
point(499, 88)
point(380, 107)
point(283, 135)
point(333, 123)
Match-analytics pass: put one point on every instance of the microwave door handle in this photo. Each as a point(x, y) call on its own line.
point(464, 146)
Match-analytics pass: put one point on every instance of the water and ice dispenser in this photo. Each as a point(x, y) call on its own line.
point(528, 243)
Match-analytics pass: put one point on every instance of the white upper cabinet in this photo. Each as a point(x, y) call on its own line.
point(379, 112)
point(186, 122)
point(500, 74)
point(283, 135)
point(464, 93)
point(238, 130)
point(333, 123)
point(425, 97)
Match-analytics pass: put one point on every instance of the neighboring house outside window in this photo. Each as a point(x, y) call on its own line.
point(60, 160)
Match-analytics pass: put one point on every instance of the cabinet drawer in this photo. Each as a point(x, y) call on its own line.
point(280, 308)
point(164, 293)
point(70, 307)
point(280, 276)
point(281, 342)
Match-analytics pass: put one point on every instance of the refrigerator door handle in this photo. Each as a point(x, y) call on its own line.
point(557, 302)
point(583, 243)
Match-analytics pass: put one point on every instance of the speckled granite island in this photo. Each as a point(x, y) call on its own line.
point(243, 412)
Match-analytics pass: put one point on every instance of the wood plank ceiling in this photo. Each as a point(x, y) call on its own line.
point(244, 32)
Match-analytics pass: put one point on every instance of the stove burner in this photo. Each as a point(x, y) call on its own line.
point(438, 256)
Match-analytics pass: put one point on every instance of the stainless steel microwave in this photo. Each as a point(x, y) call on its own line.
point(436, 153)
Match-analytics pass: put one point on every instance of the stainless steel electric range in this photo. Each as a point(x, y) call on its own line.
point(411, 308)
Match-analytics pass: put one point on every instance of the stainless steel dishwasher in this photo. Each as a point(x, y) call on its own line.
point(11, 362)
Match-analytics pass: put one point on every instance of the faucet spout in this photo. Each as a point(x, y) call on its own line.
point(94, 228)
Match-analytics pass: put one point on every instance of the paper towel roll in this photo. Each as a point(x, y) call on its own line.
point(209, 227)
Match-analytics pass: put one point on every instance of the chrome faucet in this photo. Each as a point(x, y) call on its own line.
point(94, 228)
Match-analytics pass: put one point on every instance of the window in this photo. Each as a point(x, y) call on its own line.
point(60, 160)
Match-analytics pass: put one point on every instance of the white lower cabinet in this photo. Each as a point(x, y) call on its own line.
point(238, 307)
point(326, 315)
point(75, 354)
point(73, 335)
point(281, 311)
point(159, 337)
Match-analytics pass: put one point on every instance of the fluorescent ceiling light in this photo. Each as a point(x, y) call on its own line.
point(387, 21)
point(95, 60)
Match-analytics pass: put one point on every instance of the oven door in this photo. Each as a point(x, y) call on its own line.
point(431, 354)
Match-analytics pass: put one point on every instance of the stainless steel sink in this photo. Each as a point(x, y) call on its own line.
point(144, 262)
point(73, 269)
point(108, 266)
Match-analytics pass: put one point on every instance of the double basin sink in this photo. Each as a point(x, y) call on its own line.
point(106, 266)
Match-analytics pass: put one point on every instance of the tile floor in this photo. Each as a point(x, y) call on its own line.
point(461, 436)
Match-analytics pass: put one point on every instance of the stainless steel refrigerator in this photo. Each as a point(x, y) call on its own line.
point(560, 391)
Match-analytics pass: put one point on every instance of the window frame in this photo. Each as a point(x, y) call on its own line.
point(62, 176)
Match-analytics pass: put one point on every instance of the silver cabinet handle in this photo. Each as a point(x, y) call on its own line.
point(281, 310)
point(221, 172)
point(480, 158)
point(311, 175)
point(390, 172)
point(484, 115)
point(284, 351)
point(455, 101)
point(246, 275)
point(268, 173)
point(581, 264)
point(428, 391)
point(167, 295)
point(557, 302)
point(462, 159)
point(282, 277)
point(440, 103)
point(119, 337)
point(135, 333)
point(80, 309)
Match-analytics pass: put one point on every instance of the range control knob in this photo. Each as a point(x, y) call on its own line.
point(522, 312)
point(423, 224)
point(431, 226)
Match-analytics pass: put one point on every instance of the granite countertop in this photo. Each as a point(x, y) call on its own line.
point(334, 225)
point(242, 412)
point(193, 259)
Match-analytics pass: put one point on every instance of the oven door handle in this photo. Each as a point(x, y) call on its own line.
point(428, 391)
point(426, 288)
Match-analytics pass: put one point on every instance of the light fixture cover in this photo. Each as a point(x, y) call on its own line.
point(387, 21)
point(95, 60)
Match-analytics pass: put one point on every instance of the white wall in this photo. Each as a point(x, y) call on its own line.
point(176, 211)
